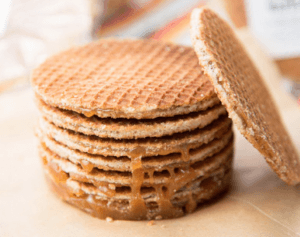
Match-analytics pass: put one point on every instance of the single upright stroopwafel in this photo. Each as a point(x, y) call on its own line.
point(241, 89)
point(145, 138)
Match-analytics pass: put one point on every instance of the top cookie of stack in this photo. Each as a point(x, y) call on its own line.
point(152, 79)
point(132, 129)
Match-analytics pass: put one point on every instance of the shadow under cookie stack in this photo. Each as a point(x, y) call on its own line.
point(132, 129)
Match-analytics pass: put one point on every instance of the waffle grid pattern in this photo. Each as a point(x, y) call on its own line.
point(242, 90)
point(132, 83)
point(127, 76)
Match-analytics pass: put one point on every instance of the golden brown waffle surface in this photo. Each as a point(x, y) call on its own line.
point(132, 129)
point(125, 79)
point(241, 89)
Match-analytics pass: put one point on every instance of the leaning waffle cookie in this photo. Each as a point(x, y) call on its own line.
point(130, 128)
point(241, 89)
point(125, 79)
point(205, 179)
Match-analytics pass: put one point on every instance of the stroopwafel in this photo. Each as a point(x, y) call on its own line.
point(132, 129)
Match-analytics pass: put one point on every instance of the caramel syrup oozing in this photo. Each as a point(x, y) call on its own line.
point(164, 192)
point(175, 179)
point(137, 204)
point(87, 166)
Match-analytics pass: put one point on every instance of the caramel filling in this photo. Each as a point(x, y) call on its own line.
point(173, 179)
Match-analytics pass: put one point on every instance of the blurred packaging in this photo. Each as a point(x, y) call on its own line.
point(112, 6)
point(102, 10)
point(36, 29)
point(143, 18)
point(276, 24)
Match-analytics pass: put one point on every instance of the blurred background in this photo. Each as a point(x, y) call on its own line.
point(32, 30)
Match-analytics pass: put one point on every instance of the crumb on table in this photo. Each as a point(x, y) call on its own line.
point(151, 223)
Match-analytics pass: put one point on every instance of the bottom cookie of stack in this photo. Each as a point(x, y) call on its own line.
point(135, 179)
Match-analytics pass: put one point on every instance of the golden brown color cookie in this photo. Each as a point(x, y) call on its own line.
point(88, 161)
point(89, 201)
point(132, 129)
point(241, 89)
point(125, 79)
point(144, 147)
point(109, 193)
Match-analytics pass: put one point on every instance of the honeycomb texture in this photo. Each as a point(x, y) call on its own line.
point(132, 129)
point(241, 89)
point(124, 78)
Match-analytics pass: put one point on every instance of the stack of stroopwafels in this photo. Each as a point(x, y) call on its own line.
point(132, 129)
